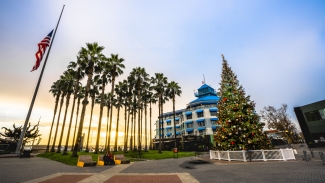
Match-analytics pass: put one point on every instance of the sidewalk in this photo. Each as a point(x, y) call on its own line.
point(161, 171)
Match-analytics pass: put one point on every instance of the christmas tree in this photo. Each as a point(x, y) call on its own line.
point(239, 126)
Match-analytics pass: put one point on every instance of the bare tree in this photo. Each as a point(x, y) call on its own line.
point(280, 120)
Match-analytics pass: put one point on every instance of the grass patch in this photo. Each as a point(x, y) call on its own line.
point(133, 156)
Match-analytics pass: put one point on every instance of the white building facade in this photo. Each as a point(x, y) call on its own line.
point(194, 126)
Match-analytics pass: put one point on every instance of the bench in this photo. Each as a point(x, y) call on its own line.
point(85, 160)
point(120, 159)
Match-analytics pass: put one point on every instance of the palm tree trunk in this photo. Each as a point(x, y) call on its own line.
point(91, 117)
point(83, 111)
point(162, 113)
point(141, 135)
point(174, 120)
point(111, 113)
point(63, 125)
point(150, 137)
point(68, 135)
point(108, 108)
point(75, 126)
point(125, 129)
point(55, 109)
point(57, 124)
point(160, 124)
point(134, 139)
point(100, 114)
point(139, 143)
point(145, 126)
point(76, 89)
point(116, 133)
point(131, 139)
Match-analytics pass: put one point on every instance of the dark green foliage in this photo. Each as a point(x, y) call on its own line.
point(31, 133)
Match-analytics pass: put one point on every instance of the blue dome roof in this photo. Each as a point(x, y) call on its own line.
point(206, 99)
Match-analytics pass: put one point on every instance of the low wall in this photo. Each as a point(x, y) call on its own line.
point(254, 155)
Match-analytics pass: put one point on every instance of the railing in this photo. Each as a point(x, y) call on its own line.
point(254, 155)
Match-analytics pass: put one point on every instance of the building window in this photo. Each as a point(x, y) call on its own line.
point(313, 116)
point(201, 123)
point(202, 132)
point(169, 130)
point(213, 113)
point(213, 122)
point(189, 116)
point(169, 123)
point(190, 133)
point(189, 125)
point(199, 114)
point(176, 122)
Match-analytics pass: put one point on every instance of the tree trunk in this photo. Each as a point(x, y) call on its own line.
point(64, 119)
point(108, 108)
point(57, 124)
point(111, 113)
point(100, 114)
point(131, 139)
point(125, 130)
point(160, 125)
point(174, 121)
point(55, 109)
point(116, 134)
point(139, 143)
point(145, 126)
point(91, 117)
point(68, 135)
point(83, 111)
point(150, 137)
point(75, 126)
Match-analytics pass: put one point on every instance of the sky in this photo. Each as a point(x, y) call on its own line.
point(276, 48)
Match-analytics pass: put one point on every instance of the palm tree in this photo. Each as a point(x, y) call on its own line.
point(80, 95)
point(55, 90)
point(78, 76)
point(159, 84)
point(130, 84)
point(145, 87)
point(135, 110)
point(119, 90)
point(152, 100)
point(93, 92)
point(103, 67)
point(126, 105)
point(116, 70)
point(68, 79)
point(90, 55)
point(173, 90)
point(107, 100)
point(61, 104)
point(140, 76)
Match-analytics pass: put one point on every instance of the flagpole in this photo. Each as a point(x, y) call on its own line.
point(22, 134)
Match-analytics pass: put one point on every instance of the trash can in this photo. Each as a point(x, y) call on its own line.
point(175, 150)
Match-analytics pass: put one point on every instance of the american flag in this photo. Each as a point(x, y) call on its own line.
point(41, 50)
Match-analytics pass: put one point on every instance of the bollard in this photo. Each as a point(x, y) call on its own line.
point(311, 152)
point(322, 157)
point(306, 157)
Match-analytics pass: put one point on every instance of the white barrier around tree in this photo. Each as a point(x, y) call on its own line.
point(254, 155)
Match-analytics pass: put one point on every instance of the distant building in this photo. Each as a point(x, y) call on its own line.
point(311, 118)
point(195, 125)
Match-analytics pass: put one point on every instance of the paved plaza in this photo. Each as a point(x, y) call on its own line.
point(186, 170)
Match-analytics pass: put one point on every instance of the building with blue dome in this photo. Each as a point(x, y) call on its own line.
point(195, 125)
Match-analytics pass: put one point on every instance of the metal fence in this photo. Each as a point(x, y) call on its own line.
point(254, 155)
